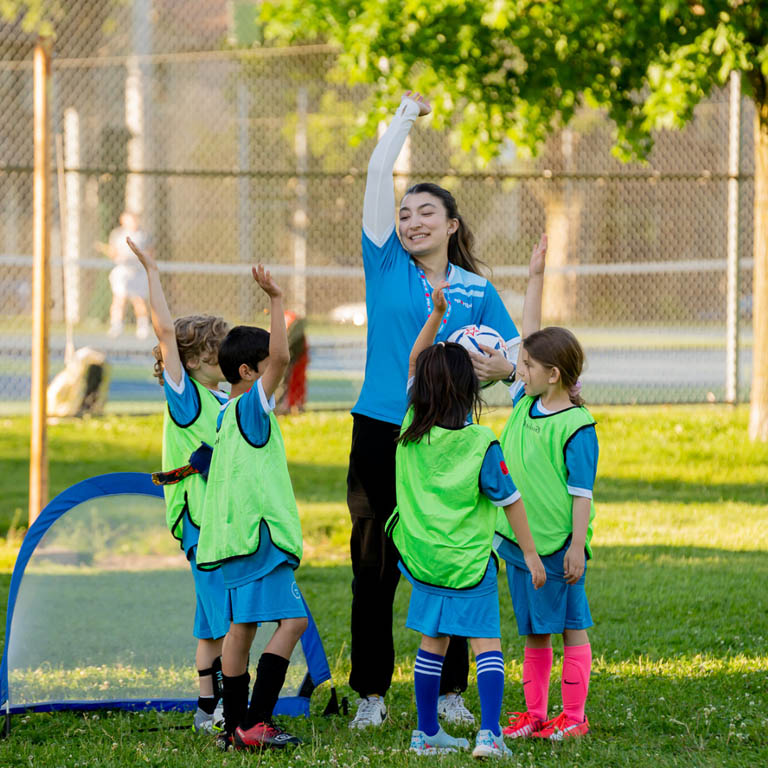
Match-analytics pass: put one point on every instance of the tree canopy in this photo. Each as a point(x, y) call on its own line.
point(519, 69)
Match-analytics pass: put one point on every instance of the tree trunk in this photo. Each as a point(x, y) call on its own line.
point(560, 285)
point(758, 415)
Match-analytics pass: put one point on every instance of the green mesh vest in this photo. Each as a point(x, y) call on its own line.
point(443, 525)
point(534, 448)
point(247, 483)
point(179, 441)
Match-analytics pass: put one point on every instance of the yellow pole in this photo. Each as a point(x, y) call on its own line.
point(38, 454)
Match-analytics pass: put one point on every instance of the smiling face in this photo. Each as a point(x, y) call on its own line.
point(424, 225)
point(536, 376)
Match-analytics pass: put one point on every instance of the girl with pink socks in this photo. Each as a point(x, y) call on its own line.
point(551, 448)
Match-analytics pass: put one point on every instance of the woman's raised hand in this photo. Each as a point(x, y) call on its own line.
point(538, 257)
point(424, 106)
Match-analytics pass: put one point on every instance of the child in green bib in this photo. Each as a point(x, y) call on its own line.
point(250, 530)
point(188, 369)
point(551, 445)
point(450, 481)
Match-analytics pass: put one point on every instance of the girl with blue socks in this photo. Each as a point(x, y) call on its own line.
point(450, 480)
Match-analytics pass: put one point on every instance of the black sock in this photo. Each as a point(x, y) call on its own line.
point(235, 697)
point(207, 704)
point(215, 673)
point(270, 676)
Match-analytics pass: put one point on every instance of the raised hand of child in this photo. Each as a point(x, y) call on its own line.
point(536, 567)
point(266, 283)
point(538, 257)
point(573, 564)
point(424, 106)
point(146, 259)
point(438, 297)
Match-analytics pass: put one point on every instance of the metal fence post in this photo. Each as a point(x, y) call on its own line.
point(732, 268)
point(38, 453)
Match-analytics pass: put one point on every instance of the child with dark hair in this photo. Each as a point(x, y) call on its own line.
point(250, 529)
point(450, 480)
point(186, 365)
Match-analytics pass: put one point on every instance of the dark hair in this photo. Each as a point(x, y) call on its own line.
point(197, 337)
point(462, 241)
point(243, 344)
point(558, 348)
point(445, 389)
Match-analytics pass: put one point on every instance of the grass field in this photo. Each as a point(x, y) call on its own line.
point(677, 590)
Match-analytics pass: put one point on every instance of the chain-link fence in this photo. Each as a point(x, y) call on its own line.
point(231, 155)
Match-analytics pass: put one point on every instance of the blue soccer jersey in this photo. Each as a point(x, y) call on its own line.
point(398, 301)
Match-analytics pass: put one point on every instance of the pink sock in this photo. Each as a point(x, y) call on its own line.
point(537, 665)
point(577, 665)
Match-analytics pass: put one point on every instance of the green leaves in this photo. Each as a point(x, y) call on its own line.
point(520, 68)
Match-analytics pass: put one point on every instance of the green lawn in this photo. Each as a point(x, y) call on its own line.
point(677, 590)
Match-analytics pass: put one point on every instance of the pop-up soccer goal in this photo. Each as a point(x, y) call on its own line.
point(101, 607)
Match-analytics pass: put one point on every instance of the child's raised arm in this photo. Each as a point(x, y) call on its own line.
point(532, 303)
point(518, 519)
point(162, 322)
point(279, 356)
point(428, 332)
point(494, 365)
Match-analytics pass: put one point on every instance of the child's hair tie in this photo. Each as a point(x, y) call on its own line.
point(440, 343)
point(575, 389)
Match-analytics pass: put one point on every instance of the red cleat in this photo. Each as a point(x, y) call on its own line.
point(522, 725)
point(264, 736)
point(562, 727)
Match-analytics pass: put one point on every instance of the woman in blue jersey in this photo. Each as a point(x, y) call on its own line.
point(434, 245)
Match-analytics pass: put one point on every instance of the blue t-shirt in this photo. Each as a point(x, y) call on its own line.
point(184, 405)
point(253, 411)
point(397, 301)
point(183, 398)
point(581, 452)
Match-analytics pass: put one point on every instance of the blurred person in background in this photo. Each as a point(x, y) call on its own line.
point(127, 278)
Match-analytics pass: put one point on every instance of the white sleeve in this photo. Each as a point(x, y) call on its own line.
point(379, 200)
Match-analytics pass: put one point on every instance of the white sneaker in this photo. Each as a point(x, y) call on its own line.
point(205, 723)
point(439, 744)
point(371, 711)
point(453, 710)
point(488, 745)
point(142, 328)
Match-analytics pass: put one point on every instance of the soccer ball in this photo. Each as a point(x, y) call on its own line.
point(472, 336)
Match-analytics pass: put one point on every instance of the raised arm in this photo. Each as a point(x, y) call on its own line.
point(494, 365)
point(162, 322)
point(429, 330)
point(279, 356)
point(379, 200)
point(532, 303)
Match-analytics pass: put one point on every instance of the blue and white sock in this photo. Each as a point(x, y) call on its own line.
point(490, 686)
point(426, 680)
